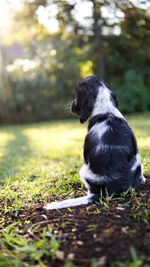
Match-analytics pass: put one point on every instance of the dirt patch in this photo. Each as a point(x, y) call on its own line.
point(105, 232)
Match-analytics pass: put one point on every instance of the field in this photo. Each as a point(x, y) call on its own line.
point(40, 163)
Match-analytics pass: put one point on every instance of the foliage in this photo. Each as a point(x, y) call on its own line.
point(134, 92)
point(40, 84)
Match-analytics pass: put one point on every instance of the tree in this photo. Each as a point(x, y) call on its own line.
point(51, 65)
point(97, 33)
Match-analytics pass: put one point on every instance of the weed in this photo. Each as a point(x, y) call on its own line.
point(18, 247)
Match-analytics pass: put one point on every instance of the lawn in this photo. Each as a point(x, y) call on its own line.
point(40, 163)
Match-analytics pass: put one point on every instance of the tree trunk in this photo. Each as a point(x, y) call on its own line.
point(98, 40)
point(5, 115)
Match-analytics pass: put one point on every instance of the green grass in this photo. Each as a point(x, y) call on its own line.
point(141, 127)
point(40, 163)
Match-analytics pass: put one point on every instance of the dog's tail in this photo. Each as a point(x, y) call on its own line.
point(74, 202)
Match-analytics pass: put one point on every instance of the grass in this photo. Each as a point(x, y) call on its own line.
point(40, 163)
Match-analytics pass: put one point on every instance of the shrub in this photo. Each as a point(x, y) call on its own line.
point(133, 95)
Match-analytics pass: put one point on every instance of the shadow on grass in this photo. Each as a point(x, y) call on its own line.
point(16, 152)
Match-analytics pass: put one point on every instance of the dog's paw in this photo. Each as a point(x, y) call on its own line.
point(143, 180)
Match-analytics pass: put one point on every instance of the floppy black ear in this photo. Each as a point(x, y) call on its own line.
point(87, 104)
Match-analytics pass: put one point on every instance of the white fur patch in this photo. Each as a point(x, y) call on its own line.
point(104, 104)
point(143, 180)
point(69, 203)
point(137, 163)
point(86, 173)
point(99, 129)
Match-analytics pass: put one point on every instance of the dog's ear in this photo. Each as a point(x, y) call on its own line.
point(87, 103)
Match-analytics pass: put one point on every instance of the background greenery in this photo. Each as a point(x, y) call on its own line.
point(40, 69)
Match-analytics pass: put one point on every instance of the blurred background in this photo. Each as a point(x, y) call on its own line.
point(48, 46)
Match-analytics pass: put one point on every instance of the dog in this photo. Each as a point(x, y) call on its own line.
point(111, 161)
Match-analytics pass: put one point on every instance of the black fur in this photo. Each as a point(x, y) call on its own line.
point(114, 154)
point(111, 164)
point(86, 95)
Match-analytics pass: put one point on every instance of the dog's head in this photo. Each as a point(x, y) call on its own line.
point(86, 94)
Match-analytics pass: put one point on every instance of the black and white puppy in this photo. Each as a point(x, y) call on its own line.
point(112, 164)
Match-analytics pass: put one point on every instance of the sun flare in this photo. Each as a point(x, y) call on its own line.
point(6, 8)
point(4, 15)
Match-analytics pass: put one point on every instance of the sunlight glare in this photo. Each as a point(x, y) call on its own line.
point(46, 16)
point(4, 15)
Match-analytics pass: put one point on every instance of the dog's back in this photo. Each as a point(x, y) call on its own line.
point(111, 154)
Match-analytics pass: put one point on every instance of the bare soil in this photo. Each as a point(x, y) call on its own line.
point(105, 232)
